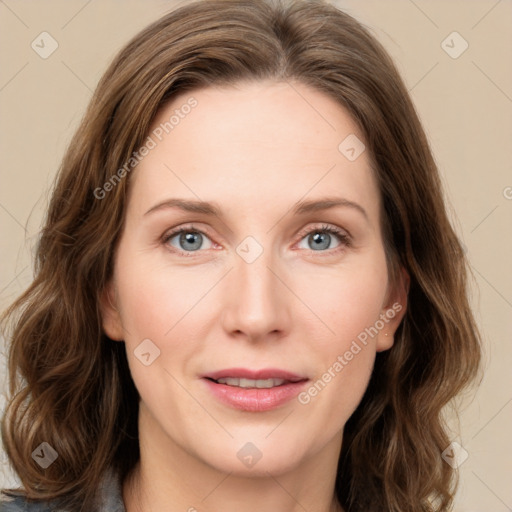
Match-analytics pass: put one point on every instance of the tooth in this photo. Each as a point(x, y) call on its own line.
point(251, 383)
point(247, 383)
point(265, 383)
point(230, 381)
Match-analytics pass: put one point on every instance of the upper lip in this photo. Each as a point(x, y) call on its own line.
point(244, 373)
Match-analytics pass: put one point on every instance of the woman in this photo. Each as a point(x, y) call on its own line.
point(298, 356)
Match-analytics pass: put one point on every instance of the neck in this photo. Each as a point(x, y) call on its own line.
point(230, 494)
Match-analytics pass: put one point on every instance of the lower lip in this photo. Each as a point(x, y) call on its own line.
point(255, 399)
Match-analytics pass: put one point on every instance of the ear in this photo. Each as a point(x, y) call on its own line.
point(110, 317)
point(393, 311)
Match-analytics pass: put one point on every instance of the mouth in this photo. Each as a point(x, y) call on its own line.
point(254, 391)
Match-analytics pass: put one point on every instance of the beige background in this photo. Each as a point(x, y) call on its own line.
point(465, 104)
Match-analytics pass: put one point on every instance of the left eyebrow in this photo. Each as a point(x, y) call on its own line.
point(326, 203)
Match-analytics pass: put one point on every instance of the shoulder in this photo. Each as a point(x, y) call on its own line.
point(109, 496)
point(16, 503)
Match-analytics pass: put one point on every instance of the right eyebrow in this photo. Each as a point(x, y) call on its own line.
point(189, 205)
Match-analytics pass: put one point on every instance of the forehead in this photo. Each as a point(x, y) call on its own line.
point(254, 144)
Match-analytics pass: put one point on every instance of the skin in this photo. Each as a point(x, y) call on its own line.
point(256, 149)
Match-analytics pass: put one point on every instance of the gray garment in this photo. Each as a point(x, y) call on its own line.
point(110, 499)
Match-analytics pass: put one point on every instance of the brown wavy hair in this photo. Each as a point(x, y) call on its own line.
point(70, 385)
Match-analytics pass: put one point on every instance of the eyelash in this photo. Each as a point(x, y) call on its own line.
point(344, 238)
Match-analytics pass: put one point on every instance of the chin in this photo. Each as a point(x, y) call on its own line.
point(256, 459)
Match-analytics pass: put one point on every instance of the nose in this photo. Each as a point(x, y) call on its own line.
point(257, 303)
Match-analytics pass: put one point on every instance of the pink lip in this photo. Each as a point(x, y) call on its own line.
point(255, 399)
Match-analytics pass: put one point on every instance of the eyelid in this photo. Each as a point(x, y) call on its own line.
point(329, 228)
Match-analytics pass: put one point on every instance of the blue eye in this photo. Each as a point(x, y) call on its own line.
point(190, 240)
point(322, 237)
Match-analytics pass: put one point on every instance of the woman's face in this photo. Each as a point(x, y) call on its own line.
point(256, 292)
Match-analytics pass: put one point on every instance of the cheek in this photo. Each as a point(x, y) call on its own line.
point(156, 298)
point(154, 305)
point(167, 306)
point(334, 396)
point(348, 303)
point(347, 300)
